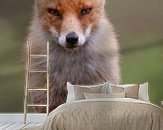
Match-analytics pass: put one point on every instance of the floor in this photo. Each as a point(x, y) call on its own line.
point(11, 121)
point(17, 126)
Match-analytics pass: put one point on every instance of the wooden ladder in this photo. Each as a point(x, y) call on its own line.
point(29, 56)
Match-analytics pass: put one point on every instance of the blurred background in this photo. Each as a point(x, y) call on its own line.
point(139, 25)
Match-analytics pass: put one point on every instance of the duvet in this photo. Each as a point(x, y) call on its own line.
point(105, 114)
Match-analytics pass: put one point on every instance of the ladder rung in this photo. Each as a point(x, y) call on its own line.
point(32, 71)
point(35, 55)
point(37, 89)
point(36, 105)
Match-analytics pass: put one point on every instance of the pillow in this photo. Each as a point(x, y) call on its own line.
point(132, 91)
point(76, 92)
point(103, 95)
point(143, 92)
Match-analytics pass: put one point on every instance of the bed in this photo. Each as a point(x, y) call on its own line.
point(105, 113)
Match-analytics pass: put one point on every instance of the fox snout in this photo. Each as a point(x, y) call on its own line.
point(71, 40)
point(72, 34)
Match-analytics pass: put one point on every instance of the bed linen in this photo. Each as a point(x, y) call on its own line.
point(105, 114)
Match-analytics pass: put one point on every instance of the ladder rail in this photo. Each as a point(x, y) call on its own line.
point(26, 80)
point(48, 76)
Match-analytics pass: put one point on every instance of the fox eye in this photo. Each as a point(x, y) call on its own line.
point(85, 11)
point(54, 12)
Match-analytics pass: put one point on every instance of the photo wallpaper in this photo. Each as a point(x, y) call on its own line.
point(139, 29)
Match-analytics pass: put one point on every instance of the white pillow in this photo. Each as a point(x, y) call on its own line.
point(71, 90)
point(71, 93)
point(143, 92)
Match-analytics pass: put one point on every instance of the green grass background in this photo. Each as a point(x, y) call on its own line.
point(139, 25)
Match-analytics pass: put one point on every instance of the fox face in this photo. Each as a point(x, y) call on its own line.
point(70, 23)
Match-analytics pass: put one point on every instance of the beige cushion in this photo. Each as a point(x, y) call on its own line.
point(103, 95)
point(131, 91)
point(76, 92)
point(79, 91)
point(143, 93)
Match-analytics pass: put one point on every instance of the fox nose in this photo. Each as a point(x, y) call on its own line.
point(72, 38)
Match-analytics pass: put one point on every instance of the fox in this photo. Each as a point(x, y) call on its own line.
point(84, 48)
